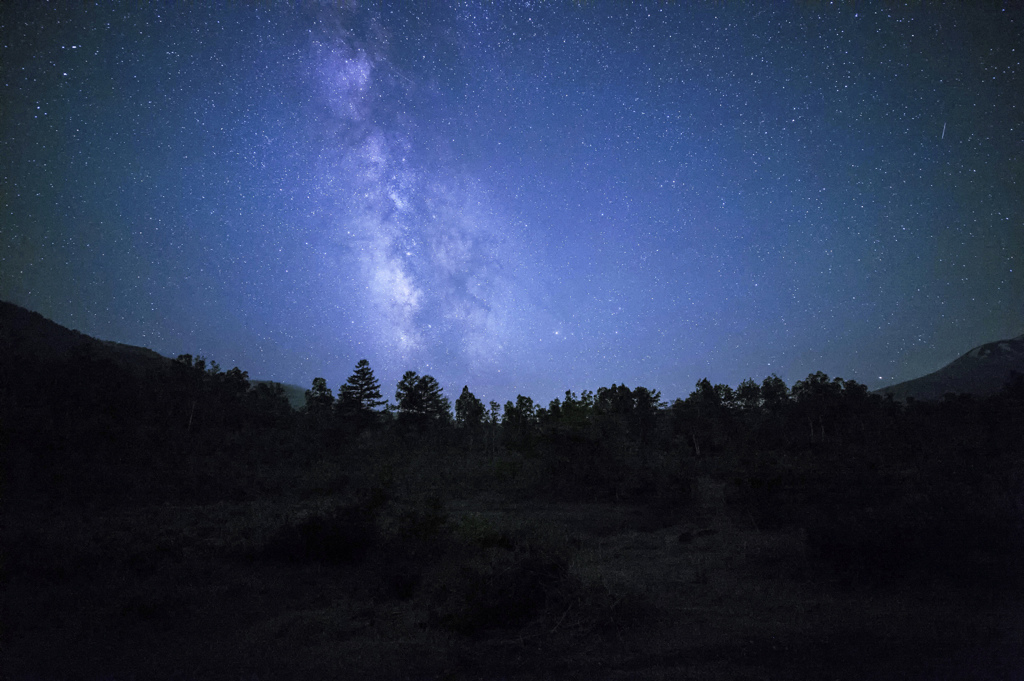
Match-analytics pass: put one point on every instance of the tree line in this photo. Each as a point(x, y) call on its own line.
point(815, 411)
point(873, 481)
point(87, 398)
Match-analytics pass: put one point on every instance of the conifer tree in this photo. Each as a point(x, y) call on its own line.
point(361, 392)
point(421, 400)
point(359, 399)
point(469, 410)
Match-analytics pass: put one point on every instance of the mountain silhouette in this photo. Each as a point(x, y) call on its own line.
point(27, 335)
point(980, 372)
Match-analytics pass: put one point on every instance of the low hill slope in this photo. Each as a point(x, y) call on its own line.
point(29, 336)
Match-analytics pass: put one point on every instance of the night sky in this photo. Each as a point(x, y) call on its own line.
point(525, 197)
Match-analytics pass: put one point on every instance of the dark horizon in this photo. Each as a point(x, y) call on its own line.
point(976, 380)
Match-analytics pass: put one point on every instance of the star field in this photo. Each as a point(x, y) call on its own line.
point(521, 197)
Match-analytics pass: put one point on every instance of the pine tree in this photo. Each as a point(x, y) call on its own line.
point(359, 399)
point(421, 400)
point(362, 388)
point(469, 411)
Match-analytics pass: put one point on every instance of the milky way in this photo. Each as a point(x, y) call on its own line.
point(427, 266)
point(521, 197)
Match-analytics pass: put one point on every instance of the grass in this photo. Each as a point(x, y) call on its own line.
point(407, 568)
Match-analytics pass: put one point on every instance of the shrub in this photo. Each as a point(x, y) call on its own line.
point(333, 537)
point(414, 537)
point(504, 590)
point(769, 492)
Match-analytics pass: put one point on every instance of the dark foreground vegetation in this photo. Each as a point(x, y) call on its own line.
point(184, 524)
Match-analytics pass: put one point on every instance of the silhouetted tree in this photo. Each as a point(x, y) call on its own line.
point(748, 394)
point(617, 399)
point(726, 396)
point(188, 378)
point(493, 418)
point(576, 411)
point(359, 399)
point(421, 400)
point(554, 412)
point(469, 411)
point(647, 405)
point(818, 401)
point(319, 401)
point(269, 405)
point(774, 393)
point(469, 415)
point(229, 391)
point(702, 411)
point(519, 422)
point(613, 411)
point(769, 423)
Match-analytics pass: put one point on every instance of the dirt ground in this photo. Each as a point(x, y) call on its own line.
point(190, 592)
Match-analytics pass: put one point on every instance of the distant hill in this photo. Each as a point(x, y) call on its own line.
point(295, 394)
point(982, 371)
point(27, 335)
point(30, 336)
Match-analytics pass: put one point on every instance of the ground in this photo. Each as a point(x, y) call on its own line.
point(466, 583)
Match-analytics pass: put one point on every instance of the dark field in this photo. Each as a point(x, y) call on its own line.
point(390, 561)
point(175, 522)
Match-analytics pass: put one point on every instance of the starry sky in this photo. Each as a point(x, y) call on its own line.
point(522, 197)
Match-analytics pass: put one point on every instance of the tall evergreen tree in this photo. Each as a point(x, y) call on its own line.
point(470, 415)
point(469, 411)
point(359, 398)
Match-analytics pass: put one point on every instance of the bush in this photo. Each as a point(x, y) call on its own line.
point(414, 537)
point(503, 590)
point(770, 491)
point(337, 537)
